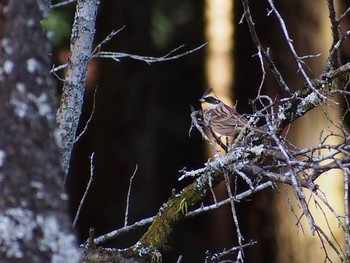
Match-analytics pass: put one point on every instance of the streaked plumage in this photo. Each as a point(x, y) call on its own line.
point(220, 117)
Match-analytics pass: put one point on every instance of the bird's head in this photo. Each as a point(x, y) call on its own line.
point(209, 100)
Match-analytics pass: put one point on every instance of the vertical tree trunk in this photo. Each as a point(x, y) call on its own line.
point(34, 225)
point(268, 218)
point(309, 27)
point(219, 76)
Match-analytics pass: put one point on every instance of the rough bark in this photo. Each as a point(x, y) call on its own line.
point(34, 225)
point(69, 112)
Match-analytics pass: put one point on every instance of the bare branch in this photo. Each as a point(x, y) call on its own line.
point(292, 49)
point(261, 50)
point(71, 103)
point(67, 2)
point(345, 14)
point(123, 230)
point(58, 68)
point(117, 56)
point(265, 158)
point(107, 39)
point(335, 29)
point(234, 213)
point(227, 201)
point(92, 166)
point(218, 256)
point(149, 60)
point(196, 121)
point(90, 118)
point(114, 234)
point(346, 209)
point(128, 197)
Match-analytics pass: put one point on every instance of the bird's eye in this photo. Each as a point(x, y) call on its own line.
point(212, 100)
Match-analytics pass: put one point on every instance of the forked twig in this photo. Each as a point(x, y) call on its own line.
point(116, 56)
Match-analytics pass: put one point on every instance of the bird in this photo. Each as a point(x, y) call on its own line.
point(220, 117)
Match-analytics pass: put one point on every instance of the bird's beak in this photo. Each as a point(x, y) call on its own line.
point(202, 100)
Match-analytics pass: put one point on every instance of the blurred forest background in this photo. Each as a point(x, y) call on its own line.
point(142, 114)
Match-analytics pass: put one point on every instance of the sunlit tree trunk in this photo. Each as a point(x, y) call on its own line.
point(220, 77)
point(310, 29)
point(219, 34)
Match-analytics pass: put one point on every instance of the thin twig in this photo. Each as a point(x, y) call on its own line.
point(196, 118)
point(262, 81)
point(92, 166)
point(346, 208)
point(67, 2)
point(55, 73)
point(227, 201)
point(299, 194)
point(334, 22)
point(97, 49)
point(111, 235)
point(322, 234)
point(271, 65)
point(234, 213)
point(128, 197)
point(232, 250)
point(149, 60)
point(343, 15)
point(335, 242)
point(292, 49)
point(58, 68)
point(333, 60)
point(90, 118)
point(244, 177)
point(116, 56)
point(114, 234)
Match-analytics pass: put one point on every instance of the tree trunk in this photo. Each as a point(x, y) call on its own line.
point(309, 27)
point(34, 225)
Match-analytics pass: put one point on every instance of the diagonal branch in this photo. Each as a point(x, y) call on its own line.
point(271, 65)
point(73, 90)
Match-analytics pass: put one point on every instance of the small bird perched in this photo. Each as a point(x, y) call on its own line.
point(220, 117)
